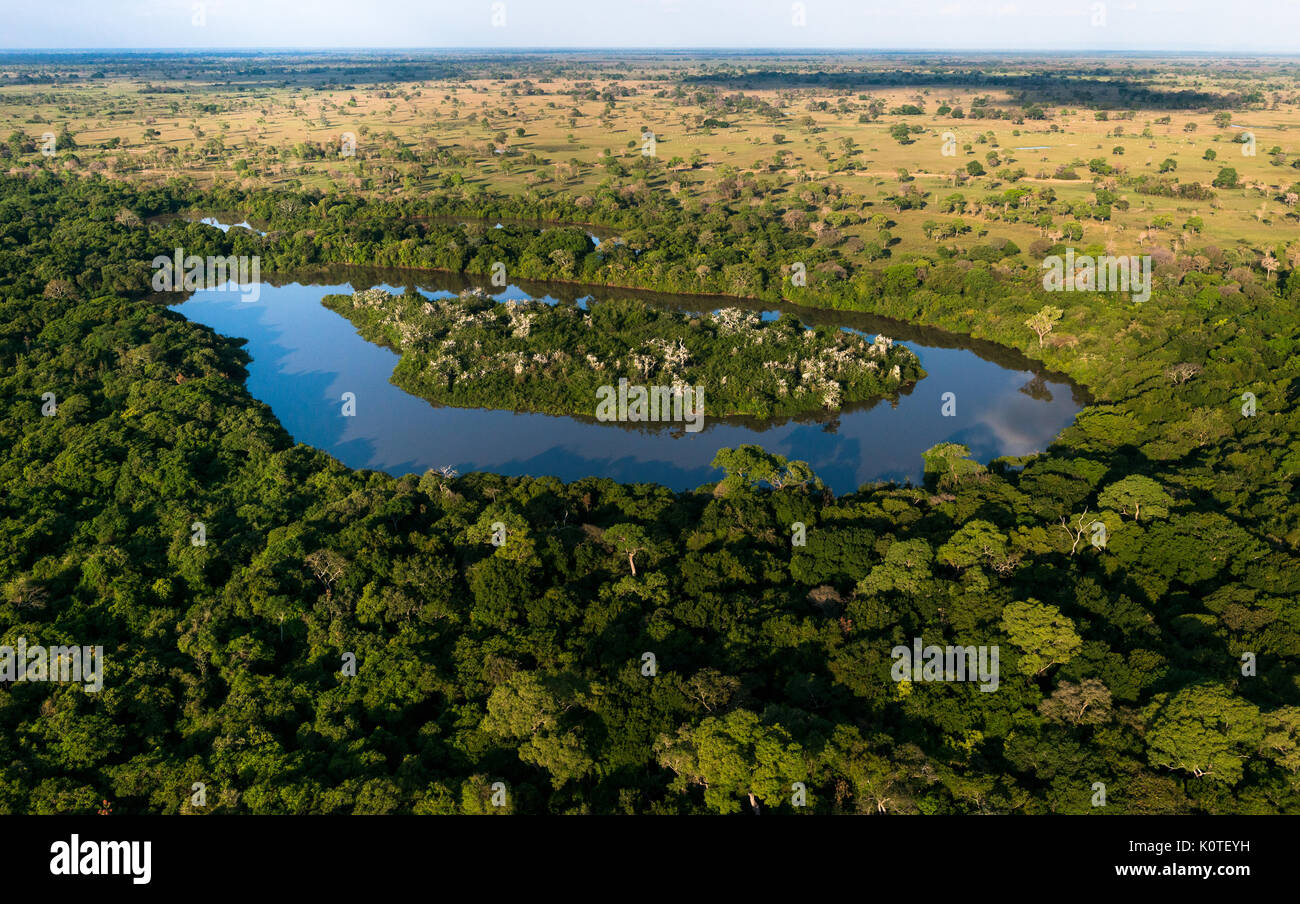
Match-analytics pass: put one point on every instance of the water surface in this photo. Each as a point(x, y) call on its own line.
point(305, 357)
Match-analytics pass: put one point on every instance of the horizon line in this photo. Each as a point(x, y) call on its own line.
point(775, 51)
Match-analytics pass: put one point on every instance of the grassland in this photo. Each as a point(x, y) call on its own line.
point(546, 125)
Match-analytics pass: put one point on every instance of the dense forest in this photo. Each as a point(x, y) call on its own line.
point(344, 641)
point(472, 351)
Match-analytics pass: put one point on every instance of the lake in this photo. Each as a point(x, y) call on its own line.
point(305, 357)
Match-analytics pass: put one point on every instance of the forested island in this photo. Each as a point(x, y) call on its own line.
point(472, 351)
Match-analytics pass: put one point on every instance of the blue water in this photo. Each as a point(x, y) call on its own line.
point(304, 357)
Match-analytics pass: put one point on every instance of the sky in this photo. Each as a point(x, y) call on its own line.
point(1246, 26)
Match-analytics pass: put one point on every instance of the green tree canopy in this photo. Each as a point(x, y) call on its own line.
point(733, 757)
point(1136, 496)
point(1205, 730)
point(1043, 635)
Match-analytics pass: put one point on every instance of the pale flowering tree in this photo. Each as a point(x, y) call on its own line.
point(1044, 321)
point(1269, 263)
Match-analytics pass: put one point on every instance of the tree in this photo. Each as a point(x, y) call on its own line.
point(1269, 263)
point(60, 289)
point(1077, 529)
point(1135, 494)
point(1044, 321)
point(1227, 178)
point(733, 756)
point(1180, 373)
point(749, 464)
point(528, 708)
point(712, 688)
point(973, 167)
point(947, 464)
point(564, 755)
point(507, 531)
point(974, 543)
point(25, 593)
point(1043, 635)
point(328, 566)
point(627, 539)
point(1281, 741)
point(1204, 730)
point(1085, 703)
point(906, 569)
point(878, 782)
point(521, 707)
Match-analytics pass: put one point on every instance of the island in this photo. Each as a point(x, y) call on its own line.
point(472, 351)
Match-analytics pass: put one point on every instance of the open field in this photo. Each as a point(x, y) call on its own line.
point(531, 125)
